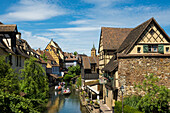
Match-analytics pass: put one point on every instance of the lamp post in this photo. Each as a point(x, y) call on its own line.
point(122, 90)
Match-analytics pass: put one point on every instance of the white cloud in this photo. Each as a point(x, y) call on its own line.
point(34, 41)
point(76, 29)
point(32, 10)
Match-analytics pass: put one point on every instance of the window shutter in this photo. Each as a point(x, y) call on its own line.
point(161, 48)
point(145, 48)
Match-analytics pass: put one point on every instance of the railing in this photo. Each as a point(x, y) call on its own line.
point(90, 76)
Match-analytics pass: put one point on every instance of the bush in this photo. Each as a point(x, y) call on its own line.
point(132, 101)
point(156, 96)
point(126, 108)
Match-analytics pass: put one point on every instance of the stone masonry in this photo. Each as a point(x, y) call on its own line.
point(132, 70)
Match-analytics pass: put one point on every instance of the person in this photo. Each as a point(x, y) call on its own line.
point(56, 87)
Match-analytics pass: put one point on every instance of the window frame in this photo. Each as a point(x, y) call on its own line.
point(138, 51)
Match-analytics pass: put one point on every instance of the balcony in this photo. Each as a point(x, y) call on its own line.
point(90, 76)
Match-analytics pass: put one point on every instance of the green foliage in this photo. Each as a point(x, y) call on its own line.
point(44, 57)
point(75, 53)
point(67, 77)
point(11, 84)
point(79, 83)
point(132, 101)
point(156, 97)
point(17, 104)
point(126, 108)
point(72, 72)
point(8, 78)
point(34, 80)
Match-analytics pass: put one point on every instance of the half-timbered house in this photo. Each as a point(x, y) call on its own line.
point(138, 51)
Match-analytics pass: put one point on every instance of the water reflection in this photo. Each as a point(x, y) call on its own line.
point(59, 103)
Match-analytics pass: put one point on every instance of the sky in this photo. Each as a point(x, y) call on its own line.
point(76, 24)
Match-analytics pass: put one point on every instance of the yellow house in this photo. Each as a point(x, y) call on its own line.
point(56, 52)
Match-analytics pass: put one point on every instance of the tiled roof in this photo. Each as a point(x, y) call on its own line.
point(49, 58)
point(7, 28)
point(111, 65)
point(87, 61)
point(20, 52)
point(133, 35)
point(70, 57)
point(113, 37)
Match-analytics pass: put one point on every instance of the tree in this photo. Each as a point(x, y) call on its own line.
point(75, 53)
point(44, 57)
point(34, 80)
point(10, 99)
point(72, 72)
point(79, 83)
point(155, 97)
point(8, 77)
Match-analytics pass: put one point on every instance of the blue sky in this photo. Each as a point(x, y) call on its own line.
point(76, 24)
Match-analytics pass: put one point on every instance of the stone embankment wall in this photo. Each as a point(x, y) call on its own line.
point(132, 70)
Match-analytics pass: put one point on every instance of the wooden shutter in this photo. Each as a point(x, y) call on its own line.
point(161, 48)
point(145, 48)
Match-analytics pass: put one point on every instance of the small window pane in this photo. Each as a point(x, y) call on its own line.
point(167, 49)
point(150, 48)
point(155, 49)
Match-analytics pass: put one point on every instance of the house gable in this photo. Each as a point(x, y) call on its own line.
point(152, 37)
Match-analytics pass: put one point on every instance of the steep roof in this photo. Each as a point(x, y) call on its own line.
point(133, 35)
point(111, 65)
point(113, 37)
point(87, 61)
point(7, 28)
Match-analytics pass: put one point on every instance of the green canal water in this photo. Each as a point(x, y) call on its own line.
point(59, 103)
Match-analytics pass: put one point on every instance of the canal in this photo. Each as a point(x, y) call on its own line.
point(59, 103)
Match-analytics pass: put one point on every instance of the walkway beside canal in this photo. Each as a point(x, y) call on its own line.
point(104, 108)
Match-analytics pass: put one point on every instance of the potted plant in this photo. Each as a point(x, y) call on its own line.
point(96, 104)
point(87, 99)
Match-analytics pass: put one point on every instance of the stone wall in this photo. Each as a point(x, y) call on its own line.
point(132, 70)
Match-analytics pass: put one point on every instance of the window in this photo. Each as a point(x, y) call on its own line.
point(167, 49)
point(139, 49)
point(152, 48)
point(47, 50)
point(155, 48)
point(50, 49)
